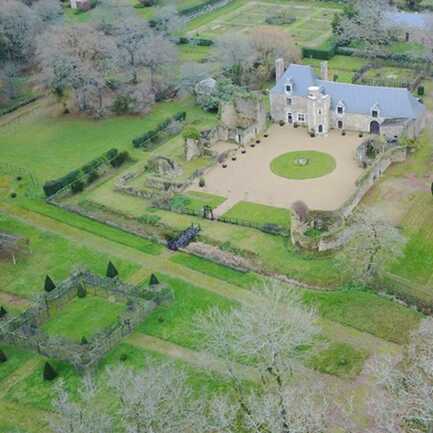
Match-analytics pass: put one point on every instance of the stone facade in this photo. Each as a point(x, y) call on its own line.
point(299, 98)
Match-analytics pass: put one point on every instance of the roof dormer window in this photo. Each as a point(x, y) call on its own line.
point(289, 86)
point(340, 107)
point(375, 111)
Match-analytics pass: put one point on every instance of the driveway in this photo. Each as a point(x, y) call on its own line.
point(250, 178)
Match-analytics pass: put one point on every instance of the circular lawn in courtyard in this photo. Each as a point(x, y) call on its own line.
point(307, 164)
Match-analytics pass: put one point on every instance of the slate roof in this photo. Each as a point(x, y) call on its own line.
point(392, 102)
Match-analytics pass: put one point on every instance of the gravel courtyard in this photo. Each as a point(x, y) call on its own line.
point(250, 178)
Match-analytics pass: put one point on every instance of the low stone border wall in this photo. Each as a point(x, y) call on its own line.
point(24, 330)
point(337, 234)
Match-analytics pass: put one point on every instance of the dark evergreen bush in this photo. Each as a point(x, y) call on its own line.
point(3, 357)
point(119, 159)
point(77, 186)
point(49, 284)
point(84, 340)
point(111, 271)
point(421, 91)
point(3, 312)
point(153, 280)
point(49, 372)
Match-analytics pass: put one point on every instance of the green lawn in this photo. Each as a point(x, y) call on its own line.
point(338, 359)
point(246, 280)
point(83, 317)
point(173, 322)
point(366, 311)
point(48, 254)
point(196, 200)
point(318, 164)
point(50, 147)
point(16, 358)
point(259, 214)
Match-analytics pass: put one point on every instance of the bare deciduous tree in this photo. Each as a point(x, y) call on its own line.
point(268, 333)
point(366, 24)
point(403, 401)
point(82, 416)
point(373, 243)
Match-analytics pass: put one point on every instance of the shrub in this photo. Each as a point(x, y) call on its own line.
point(325, 52)
point(123, 357)
point(421, 91)
point(111, 271)
point(153, 281)
point(191, 133)
point(301, 210)
point(93, 175)
point(3, 312)
point(77, 186)
point(202, 182)
point(81, 291)
point(13, 195)
point(49, 285)
point(122, 104)
point(49, 372)
point(84, 341)
point(119, 159)
point(3, 357)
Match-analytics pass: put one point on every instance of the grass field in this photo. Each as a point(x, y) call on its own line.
point(366, 312)
point(83, 317)
point(318, 164)
point(246, 280)
point(48, 254)
point(196, 201)
point(67, 143)
point(259, 214)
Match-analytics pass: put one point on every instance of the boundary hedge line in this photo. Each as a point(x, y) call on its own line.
point(55, 185)
point(18, 105)
point(147, 140)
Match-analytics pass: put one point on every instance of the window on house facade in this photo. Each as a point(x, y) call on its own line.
point(301, 117)
point(374, 113)
point(288, 88)
point(340, 109)
point(340, 124)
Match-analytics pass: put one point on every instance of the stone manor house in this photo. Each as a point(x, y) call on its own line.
point(300, 98)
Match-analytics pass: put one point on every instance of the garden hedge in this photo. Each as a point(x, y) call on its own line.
point(73, 177)
point(147, 140)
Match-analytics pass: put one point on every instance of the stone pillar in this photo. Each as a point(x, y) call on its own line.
point(279, 68)
point(324, 70)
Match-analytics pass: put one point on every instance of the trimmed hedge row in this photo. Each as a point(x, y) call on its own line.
point(148, 139)
point(325, 53)
point(195, 41)
point(52, 186)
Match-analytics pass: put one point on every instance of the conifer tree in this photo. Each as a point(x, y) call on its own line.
point(84, 340)
point(49, 372)
point(153, 280)
point(3, 357)
point(49, 284)
point(111, 271)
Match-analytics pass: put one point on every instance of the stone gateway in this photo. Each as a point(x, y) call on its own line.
point(300, 98)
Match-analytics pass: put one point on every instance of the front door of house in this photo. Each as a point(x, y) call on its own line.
point(289, 118)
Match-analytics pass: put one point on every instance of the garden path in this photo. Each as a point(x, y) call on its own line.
point(160, 263)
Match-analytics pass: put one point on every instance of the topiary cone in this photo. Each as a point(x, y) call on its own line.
point(49, 372)
point(49, 284)
point(153, 280)
point(111, 271)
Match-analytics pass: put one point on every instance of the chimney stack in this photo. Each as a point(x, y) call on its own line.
point(324, 70)
point(279, 68)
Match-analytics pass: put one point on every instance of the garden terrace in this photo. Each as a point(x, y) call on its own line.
point(83, 307)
